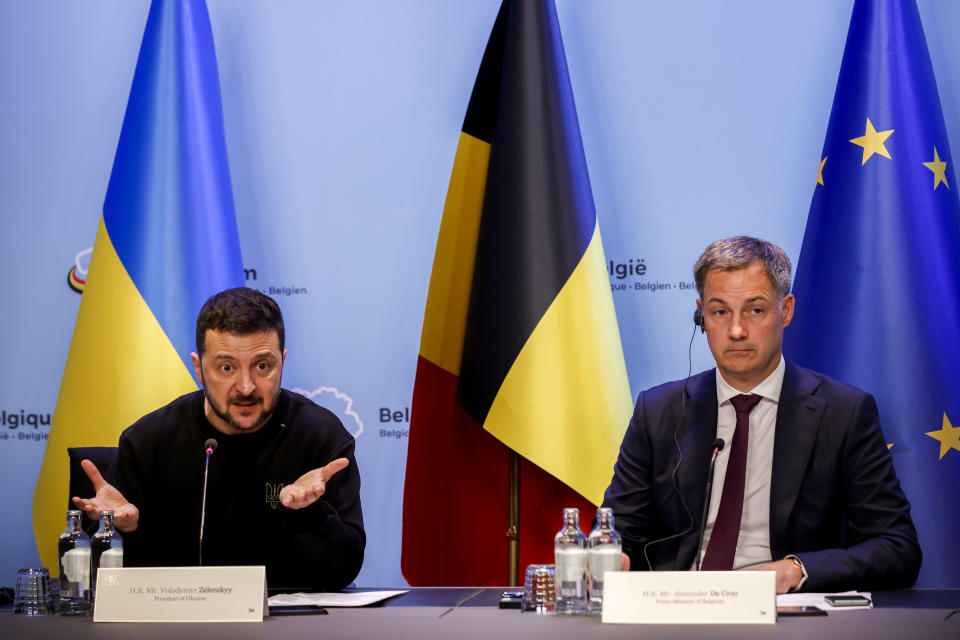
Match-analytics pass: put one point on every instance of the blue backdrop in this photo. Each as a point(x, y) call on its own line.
point(699, 120)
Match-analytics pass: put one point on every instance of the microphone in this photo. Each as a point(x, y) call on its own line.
point(209, 447)
point(717, 448)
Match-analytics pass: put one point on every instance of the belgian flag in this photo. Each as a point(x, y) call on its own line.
point(520, 346)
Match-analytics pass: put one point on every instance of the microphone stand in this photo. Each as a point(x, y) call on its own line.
point(210, 446)
point(717, 448)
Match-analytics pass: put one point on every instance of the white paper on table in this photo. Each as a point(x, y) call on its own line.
point(819, 600)
point(354, 599)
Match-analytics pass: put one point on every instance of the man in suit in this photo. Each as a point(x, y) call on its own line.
point(804, 484)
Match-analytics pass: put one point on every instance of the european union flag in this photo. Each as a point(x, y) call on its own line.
point(878, 279)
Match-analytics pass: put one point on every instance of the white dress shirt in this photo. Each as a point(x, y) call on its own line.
point(753, 543)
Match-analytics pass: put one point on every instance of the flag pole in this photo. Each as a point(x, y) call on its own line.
point(513, 520)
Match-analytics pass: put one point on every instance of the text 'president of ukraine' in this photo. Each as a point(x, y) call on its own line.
point(812, 495)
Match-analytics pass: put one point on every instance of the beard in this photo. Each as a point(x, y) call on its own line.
point(223, 412)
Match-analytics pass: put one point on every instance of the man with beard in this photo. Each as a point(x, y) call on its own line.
point(283, 486)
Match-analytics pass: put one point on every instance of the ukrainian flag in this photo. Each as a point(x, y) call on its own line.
point(520, 348)
point(166, 242)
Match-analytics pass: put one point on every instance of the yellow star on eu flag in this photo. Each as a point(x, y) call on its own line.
point(939, 169)
point(872, 142)
point(948, 435)
point(820, 170)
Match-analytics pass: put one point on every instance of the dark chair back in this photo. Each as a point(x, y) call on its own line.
point(106, 460)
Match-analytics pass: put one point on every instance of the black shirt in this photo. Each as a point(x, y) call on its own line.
point(160, 469)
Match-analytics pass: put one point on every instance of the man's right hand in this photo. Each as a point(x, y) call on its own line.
point(126, 516)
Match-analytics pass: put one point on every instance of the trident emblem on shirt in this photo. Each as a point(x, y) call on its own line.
point(273, 494)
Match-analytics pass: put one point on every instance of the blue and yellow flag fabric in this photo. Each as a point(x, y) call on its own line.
point(166, 242)
point(878, 279)
point(520, 347)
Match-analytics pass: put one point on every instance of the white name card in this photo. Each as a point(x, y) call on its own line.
point(180, 594)
point(689, 597)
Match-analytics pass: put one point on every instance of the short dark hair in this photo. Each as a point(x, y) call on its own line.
point(739, 252)
point(240, 311)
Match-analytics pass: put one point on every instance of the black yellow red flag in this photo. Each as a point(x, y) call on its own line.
point(520, 347)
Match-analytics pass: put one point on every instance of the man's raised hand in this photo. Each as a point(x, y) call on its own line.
point(311, 485)
point(126, 516)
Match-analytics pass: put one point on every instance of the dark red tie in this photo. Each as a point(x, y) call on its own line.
point(726, 529)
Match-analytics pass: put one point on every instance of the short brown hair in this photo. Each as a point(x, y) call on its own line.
point(240, 311)
point(740, 252)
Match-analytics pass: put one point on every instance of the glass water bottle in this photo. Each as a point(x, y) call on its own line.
point(73, 549)
point(604, 549)
point(106, 549)
point(570, 555)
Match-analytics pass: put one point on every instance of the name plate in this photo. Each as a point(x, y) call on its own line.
point(690, 597)
point(181, 594)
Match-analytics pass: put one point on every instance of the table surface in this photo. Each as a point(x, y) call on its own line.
point(464, 613)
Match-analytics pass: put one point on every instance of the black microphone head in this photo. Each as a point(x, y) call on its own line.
point(210, 445)
point(718, 444)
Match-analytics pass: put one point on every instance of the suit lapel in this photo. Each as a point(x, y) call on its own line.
point(697, 433)
point(798, 421)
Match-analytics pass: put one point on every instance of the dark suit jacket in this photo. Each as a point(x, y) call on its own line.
point(835, 500)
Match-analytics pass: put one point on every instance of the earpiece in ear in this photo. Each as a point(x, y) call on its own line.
point(698, 320)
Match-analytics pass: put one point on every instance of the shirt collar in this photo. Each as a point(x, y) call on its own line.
point(769, 388)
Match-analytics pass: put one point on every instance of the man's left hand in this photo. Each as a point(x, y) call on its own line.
point(789, 574)
point(310, 486)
